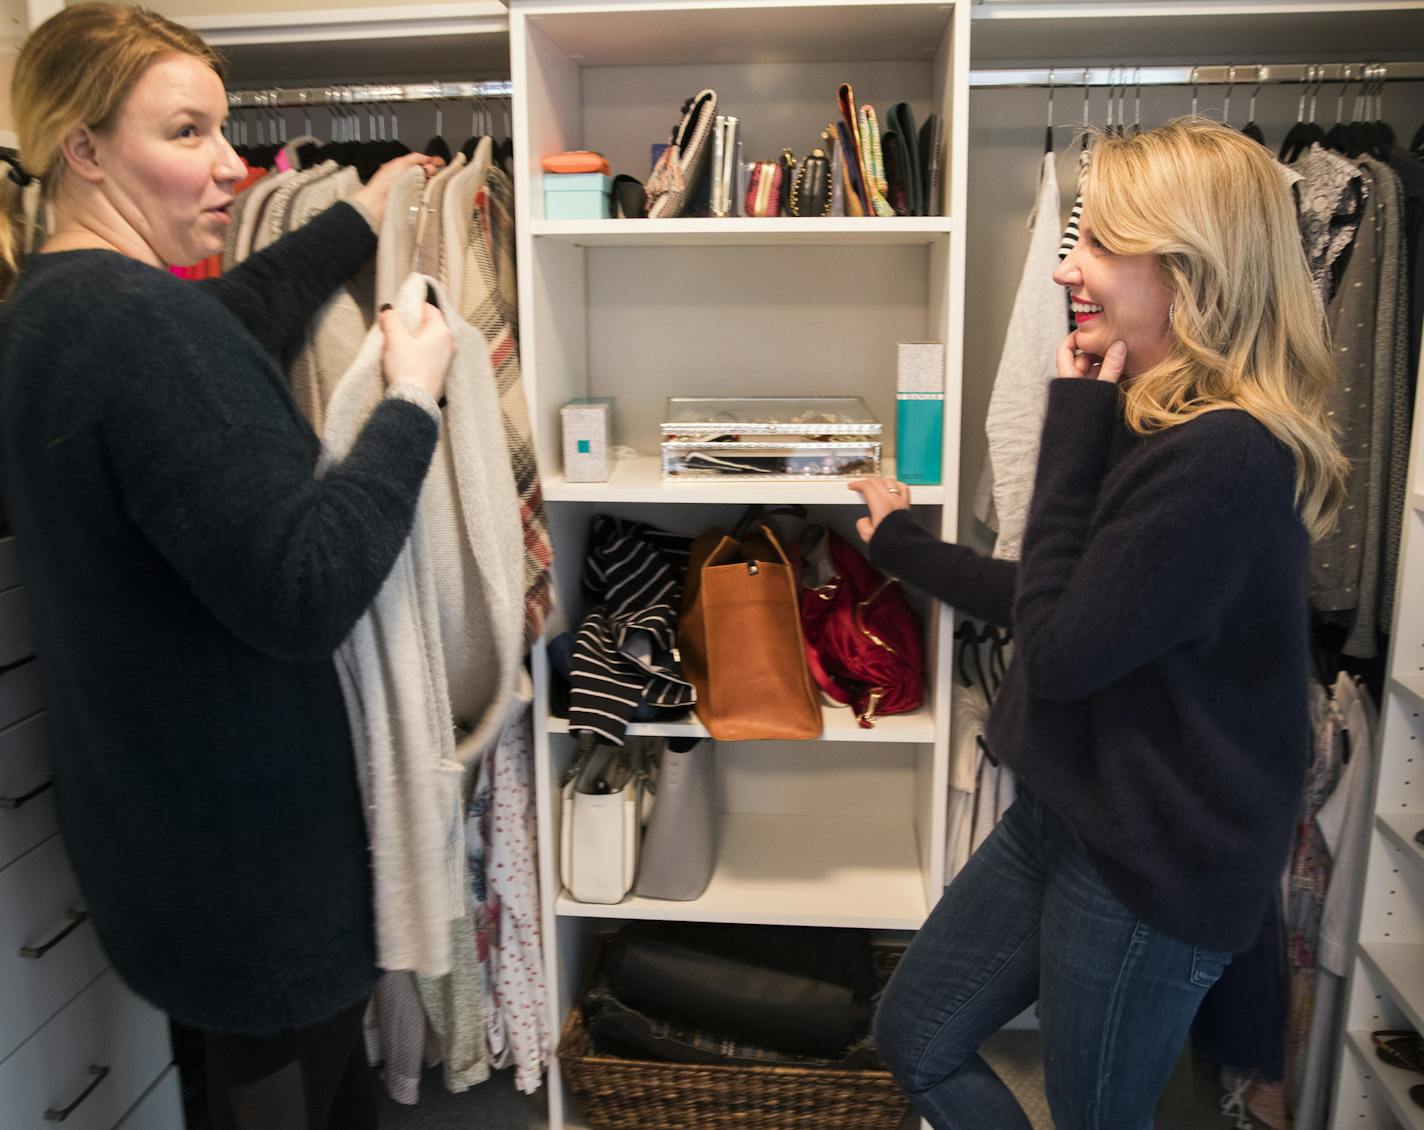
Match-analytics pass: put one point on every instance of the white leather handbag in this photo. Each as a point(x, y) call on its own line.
point(601, 827)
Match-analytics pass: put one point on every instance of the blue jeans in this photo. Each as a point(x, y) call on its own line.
point(1029, 919)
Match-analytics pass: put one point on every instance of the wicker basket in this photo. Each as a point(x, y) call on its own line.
point(645, 1094)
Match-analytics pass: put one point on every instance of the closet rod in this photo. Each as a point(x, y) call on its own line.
point(351, 94)
point(1232, 75)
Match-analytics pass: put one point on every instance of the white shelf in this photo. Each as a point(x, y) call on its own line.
point(839, 726)
point(1196, 32)
point(1400, 828)
point(652, 32)
point(640, 480)
point(1395, 1081)
point(418, 41)
point(809, 231)
point(797, 871)
point(1412, 689)
point(1400, 966)
point(487, 17)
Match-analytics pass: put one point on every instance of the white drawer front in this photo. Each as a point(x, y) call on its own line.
point(38, 895)
point(20, 693)
point(26, 797)
point(16, 639)
point(106, 1039)
point(160, 1109)
point(9, 564)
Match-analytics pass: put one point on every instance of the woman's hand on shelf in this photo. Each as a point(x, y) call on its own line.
point(882, 497)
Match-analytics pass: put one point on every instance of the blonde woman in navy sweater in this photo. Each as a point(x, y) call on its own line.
point(1155, 713)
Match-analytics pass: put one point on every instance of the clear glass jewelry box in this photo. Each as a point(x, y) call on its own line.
point(769, 437)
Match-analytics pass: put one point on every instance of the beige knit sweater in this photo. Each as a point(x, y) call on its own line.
point(432, 670)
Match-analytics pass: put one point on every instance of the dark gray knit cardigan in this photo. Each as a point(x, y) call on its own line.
point(1158, 697)
point(189, 577)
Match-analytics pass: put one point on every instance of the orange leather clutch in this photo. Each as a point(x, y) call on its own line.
point(576, 161)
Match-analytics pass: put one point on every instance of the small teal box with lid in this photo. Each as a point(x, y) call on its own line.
point(577, 196)
point(919, 412)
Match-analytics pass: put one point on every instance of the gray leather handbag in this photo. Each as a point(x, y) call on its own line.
point(680, 845)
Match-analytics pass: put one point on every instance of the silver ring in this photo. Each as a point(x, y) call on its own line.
point(892, 490)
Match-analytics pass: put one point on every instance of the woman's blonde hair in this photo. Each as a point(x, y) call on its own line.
point(1248, 330)
point(77, 69)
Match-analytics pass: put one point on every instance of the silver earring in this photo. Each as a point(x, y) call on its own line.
point(1171, 311)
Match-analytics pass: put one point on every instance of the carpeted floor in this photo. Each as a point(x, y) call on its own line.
point(1190, 1102)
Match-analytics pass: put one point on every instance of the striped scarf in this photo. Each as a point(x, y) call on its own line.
point(489, 296)
point(625, 652)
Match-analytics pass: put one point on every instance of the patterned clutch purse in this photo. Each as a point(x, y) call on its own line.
point(675, 175)
point(764, 189)
point(811, 186)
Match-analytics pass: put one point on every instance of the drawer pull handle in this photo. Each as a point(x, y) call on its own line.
point(74, 919)
point(99, 1075)
point(25, 798)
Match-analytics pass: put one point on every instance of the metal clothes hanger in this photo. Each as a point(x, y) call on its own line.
point(1341, 137)
point(1305, 132)
point(1048, 133)
point(1251, 129)
point(1087, 93)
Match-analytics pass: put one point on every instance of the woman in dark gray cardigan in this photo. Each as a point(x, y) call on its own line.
point(187, 573)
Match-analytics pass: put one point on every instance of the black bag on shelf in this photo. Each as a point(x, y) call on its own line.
point(803, 992)
point(615, 1029)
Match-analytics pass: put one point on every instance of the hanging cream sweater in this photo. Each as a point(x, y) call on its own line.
point(432, 670)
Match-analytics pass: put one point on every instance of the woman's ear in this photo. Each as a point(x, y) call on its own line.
point(81, 154)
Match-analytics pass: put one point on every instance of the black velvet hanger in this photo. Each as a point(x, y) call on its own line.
point(1301, 137)
point(1251, 129)
point(1303, 134)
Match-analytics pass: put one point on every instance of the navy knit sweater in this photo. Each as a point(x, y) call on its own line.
point(189, 577)
point(1157, 700)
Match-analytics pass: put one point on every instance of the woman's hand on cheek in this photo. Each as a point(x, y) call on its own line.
point(1072, 363)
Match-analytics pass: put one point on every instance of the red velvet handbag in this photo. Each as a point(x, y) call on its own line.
point(863, 641)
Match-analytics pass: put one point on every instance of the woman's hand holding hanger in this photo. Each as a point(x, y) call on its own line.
point(376, 191)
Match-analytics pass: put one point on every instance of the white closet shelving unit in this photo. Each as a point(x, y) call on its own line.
point(1386, 985)
point(846, 831)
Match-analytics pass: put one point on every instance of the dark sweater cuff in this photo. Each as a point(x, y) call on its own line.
point(1077, 433)
point(895, 537)
point(400, 438)
point(346, 227)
